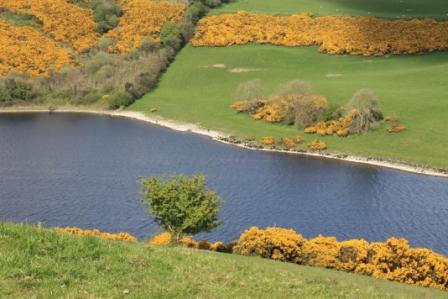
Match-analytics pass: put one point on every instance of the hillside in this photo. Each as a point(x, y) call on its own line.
point(43, 264)
point(410, 87)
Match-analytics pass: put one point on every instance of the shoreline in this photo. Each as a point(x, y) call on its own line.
point(226, 139)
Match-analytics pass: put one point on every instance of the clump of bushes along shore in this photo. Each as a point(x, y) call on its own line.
point(294, 103)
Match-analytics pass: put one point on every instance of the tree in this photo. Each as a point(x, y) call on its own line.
point(364, 110)
point(181, 204)
point(250, 90)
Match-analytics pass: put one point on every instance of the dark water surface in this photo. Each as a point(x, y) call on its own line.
point(81, 170)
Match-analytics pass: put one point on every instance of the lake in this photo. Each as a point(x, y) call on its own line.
point(81, 170)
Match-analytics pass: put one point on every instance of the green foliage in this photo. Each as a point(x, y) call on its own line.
point(181, 205)
point(120, 99)
point(148, 45)
point(106, 14)
point(20, 19)
point(96, 62)
point(104, 43)
point(171, 35)
point(333, 112)
point(14, 90)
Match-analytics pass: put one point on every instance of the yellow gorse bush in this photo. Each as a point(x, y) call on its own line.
point(366, 36)
point(278, 108)
point(63, 21)
point(340, 127)
point(24, 49)
point(393, 260)
point(396, 128)
point(268, 140)
point(143, 19)
point(273, 243)
point(96, 233)
point(164, 238)
point(317, 145)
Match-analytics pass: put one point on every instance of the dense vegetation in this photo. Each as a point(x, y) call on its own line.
point(44, 264)
point(120, 48)
point(365, 36)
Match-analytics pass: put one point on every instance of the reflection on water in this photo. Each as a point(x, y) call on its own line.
point(81, 170)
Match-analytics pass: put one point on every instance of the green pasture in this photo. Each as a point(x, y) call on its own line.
point(381, 8)
point(196, 88)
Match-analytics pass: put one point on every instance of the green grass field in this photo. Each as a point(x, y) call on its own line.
point(382, 8)
point(36, 263)
point(411, 87)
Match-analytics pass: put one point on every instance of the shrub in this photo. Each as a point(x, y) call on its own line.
point(104, 43)
point(320, 251)
point(106, 14)
point(249, 91)
point(317, 145)
point(120, 99)
point(14, 90)
point(164, 238)
point(171, 35)
point(290, 142)
point(292, 103)
point(274, 243)
point(250, 106)
point(392, 260)
point(96, 62)
point(181, 205)
point(308, 109)
point(96, 233)
point(363, 110)
point(396, 128)
point(267, 140)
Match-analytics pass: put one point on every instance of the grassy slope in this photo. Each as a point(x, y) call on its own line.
point(412, 87)
point(41, 264)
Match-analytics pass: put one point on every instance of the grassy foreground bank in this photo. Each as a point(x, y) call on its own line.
point(42, 264)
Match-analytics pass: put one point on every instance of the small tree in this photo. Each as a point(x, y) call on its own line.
point(364, 110)
point(250, 90)
point(181, 205)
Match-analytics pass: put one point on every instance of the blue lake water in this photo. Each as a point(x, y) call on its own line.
point(82, 170)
